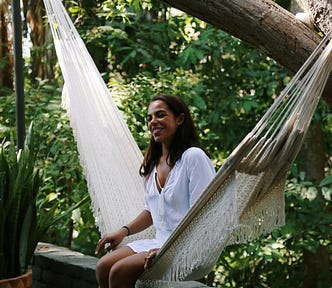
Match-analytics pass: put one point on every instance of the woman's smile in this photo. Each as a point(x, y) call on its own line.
point(156, 131)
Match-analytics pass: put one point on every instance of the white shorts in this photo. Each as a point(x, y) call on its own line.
point(144, 245)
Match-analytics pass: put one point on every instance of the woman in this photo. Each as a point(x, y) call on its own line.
point(176, 171)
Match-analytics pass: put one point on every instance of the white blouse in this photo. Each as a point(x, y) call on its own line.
point(186, 181)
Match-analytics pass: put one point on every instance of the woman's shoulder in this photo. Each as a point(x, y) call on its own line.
point(196, 158)
point(194, 152)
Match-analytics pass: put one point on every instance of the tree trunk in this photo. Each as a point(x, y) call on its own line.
point(320, 13)
point(316, 268)
point(313, 161)
point(6, 60)
point(312, 154)
point(262, 24)
point(43, 59)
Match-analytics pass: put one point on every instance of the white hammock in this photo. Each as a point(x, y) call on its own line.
point(245, 199)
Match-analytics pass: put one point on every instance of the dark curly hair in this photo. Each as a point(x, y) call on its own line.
point(185, 136)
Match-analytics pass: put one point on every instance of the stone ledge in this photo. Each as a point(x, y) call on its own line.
point(59, 267)
point(55, 266)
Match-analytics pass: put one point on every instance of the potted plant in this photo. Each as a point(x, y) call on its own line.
point(23, 219)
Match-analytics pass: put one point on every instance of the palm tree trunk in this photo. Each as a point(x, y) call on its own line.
point(43, 59)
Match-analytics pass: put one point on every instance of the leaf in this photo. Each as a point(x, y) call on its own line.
point(25, 237)
point(69, 210)
point(302, 175)
point(326, 181)
point(132, 54)
point(2, 238)
point(199, 102)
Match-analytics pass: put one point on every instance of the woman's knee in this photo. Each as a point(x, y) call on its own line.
point(118, 272)
point(103, 267)
point(125, 272)
point(105, 263)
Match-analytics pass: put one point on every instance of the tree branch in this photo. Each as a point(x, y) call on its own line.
point(262, 24)
point(320, 13)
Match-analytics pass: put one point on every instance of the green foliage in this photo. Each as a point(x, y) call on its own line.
point(227, 81)
point(63, 183)
point(23, 218)
point(19, 187)
point(143, 48)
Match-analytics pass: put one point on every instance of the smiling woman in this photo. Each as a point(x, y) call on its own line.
point(176, 171)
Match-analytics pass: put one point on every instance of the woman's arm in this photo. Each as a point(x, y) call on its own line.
point(140, 223)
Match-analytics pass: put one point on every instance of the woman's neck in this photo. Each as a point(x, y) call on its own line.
point(164, 152)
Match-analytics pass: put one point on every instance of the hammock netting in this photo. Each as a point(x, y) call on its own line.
point(244, 200)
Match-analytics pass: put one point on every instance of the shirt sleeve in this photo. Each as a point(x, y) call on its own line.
point(200, 172)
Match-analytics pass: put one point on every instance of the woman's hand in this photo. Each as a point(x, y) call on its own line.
point(112, 239)
point(141, 222)
point(149, 257)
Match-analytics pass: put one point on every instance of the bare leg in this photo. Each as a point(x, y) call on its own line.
point(106, 262)
point(125, 272)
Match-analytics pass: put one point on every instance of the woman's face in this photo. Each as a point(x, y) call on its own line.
point(162, 122)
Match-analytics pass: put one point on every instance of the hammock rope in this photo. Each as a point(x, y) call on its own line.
point(108, 152)
point(245, 199)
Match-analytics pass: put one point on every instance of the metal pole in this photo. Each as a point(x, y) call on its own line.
point(19, 78)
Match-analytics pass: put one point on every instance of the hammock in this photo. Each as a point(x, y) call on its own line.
point(245, 199)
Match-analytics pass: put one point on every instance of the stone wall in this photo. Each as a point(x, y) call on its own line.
point(58, 267)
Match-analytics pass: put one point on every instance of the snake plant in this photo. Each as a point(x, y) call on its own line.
point(22, 221)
